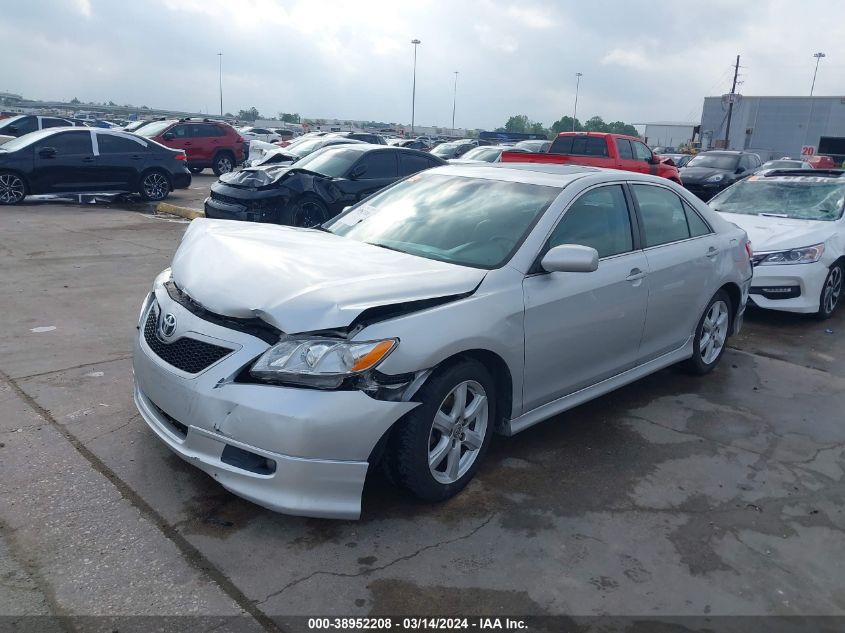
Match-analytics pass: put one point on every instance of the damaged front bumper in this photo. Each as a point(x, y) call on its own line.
point(292, 450)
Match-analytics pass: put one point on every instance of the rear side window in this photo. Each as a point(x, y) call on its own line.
point(663, 214)
point(697, 226)
point(411, 163)
point(624, 147)
point(600, 219)
point(379, 165)
point(50, 122)
point(589, 146)
point(111, 144)
point(561, 145)
point(69, 143)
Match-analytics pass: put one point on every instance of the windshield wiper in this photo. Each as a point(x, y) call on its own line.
point(385, 246)
point(774, 215)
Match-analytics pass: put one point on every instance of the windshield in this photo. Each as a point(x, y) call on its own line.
point(445, 149)
point(154, 129)
point(802, 198)
point(487, 154)
point(134, 126)
point(531, 146)
point(331, 161)
point(305, 147)
point(468, 221)
point(715, 161)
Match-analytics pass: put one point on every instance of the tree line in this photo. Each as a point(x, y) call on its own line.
point(522, 124)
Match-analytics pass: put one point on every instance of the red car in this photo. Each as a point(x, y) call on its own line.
point(822, 162)
point(600, 149)
point(207, 143)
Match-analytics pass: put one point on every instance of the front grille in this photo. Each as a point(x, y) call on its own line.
point(227, 199)
point(188, 354)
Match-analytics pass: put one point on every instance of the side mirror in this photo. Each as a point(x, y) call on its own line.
point(570, 258)
point(47, 152)
point(169, 136)
point(357, 171)
point(739, 170)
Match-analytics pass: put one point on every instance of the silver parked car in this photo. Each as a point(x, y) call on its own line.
point(462, 301)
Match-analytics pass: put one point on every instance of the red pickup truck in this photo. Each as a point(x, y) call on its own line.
point(600, 149)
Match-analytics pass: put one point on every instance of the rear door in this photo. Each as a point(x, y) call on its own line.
point(581, 328)
point(682, 253)
point(65, 162)
point(119, 161)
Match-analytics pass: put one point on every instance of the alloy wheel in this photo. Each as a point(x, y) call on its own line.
point(308, 214)
point(457, 432)
point(224, 165)
point(12, 189)
point(832, 289)
point(156, 186)
point(714, 332)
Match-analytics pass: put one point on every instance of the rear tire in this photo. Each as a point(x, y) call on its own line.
point(13, 188)
point(155, 186)
point(435, 450)
point(831, 292)
point(196, 170)
point(711, 335)
point(305, 212)
point(224, 162)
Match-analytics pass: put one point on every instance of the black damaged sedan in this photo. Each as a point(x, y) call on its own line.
point(315, 188)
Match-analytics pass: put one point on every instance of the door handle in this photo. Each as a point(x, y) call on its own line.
point(712, 252)
point(88, 159)
point(635, 274)
point(135, 157)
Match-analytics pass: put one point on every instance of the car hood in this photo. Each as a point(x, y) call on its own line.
point(303, 280)
point(697, 174)
point(776, 234)
point(257, 177)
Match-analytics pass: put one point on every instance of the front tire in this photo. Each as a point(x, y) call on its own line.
point(436, 449)
point(711, 335)
point(224, 162)
point(831, 292)
point(155, 186)
point(305, 212)
point(196, 170)
point(13, 188)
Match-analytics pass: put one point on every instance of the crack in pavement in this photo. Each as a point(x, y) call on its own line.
point(126, 356)
point(370, 570)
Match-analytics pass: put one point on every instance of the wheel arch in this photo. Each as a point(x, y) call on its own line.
point(735, 295)
point(19, 174)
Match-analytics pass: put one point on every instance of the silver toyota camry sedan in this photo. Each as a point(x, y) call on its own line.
point(460, 302)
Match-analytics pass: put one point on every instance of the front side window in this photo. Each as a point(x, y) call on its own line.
point(68, 143)
point(641, 151)
point(600, 219)
point(663, 215)
point(332, 161)
point(624, 147)
point(22, 125)
point(379, 165)
point(468, 221)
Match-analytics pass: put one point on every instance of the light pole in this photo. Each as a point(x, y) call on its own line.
point(415, 42)
point(454, 102)
point(818, 57)
point(577, 86)
point(220, 57)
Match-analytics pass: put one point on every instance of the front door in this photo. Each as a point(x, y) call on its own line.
point(581, 328)
point(374, 171)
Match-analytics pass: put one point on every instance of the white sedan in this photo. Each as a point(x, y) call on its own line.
point(795, 222)
point(260, 134)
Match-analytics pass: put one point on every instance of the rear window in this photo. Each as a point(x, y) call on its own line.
point(579, 146)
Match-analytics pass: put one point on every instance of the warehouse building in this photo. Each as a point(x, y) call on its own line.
point(776, 126)
point(667, 133)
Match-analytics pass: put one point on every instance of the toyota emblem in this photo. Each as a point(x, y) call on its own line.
point(167, 325)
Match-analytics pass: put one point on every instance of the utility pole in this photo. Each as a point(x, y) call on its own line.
point(454, 102)
point(577, 86)
point(818, 57)
point(731, 105)
point(416, 43)
point(220, 55)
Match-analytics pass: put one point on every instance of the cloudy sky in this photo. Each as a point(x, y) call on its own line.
point(641, 61)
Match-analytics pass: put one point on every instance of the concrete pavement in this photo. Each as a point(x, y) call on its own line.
point(673, 496)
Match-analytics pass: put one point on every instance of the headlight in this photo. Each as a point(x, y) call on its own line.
point(319, 362)
point(807, 255)
point(715, 178)
point(162, 278)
